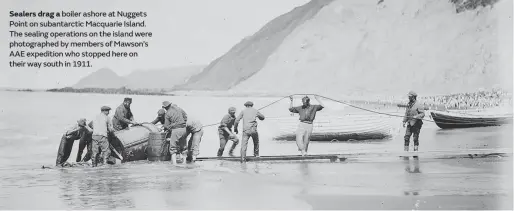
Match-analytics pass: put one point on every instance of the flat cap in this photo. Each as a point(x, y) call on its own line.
point(82, 122)
point(231, 109)
point(412, 93)
point(161, 112)
point(166, 104)
point(105, 108)
point(127, 99)
point(249, 103)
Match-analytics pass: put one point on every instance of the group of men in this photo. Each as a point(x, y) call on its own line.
point(95, 135)
point(178, 127)
point(249, 115)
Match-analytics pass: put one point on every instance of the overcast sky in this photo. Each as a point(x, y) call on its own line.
point(186, 32)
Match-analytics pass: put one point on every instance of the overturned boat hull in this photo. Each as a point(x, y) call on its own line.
point(335, 128)
point(449, 120)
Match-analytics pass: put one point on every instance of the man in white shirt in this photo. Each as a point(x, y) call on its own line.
point(102, 125)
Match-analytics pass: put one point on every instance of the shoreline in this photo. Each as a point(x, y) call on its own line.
point(371, 100)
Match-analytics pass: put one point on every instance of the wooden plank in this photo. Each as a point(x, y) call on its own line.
point(276, 158)
point(447, 154)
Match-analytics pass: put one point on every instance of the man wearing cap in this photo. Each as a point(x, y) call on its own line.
point(160, 117)
point(225, 132)
point(175, 121)
point(414, 113)
point(78, 131)
point(123, 115)
point(193, 127)
point(249, 115)
point(307, 114)
point(102, 126)
point(85, 142)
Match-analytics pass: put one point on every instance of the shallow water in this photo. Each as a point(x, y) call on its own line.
point(31, 125)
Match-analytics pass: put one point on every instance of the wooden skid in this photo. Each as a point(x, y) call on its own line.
point(379, 155)
point(277, 158)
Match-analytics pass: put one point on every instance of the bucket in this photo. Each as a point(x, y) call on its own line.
point(158, 147)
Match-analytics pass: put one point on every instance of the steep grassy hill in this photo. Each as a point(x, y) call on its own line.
point(360, 47)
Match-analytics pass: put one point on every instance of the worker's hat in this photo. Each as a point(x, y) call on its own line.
point(231, 109)
point(105, 108)
point(127, 99)
point(81, 122)
point(166, 104)
point(412, 93)
point(249, 103)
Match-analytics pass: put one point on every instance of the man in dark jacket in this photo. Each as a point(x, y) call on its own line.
point(123, 115)
point(225, 132)
point(307, 114)
point(85, 142)
point(160, 117)
point(414, 113)
point(78, 131)
point(175, 121)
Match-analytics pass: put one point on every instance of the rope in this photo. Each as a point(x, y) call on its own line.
point(365, 109)
point(402, 116)
point(274, 102)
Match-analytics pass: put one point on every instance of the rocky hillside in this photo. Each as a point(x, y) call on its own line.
point(357, 47)
point(250, 55)
point(142, 79)
point(104, 78)
point(163, 78)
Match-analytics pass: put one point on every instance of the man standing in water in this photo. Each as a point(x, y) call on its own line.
point(79, 131)
point(175, 123)
point(102, 126)
point(193, 127)
point(85, 142)
point(414, 113)
point(123, 115)
point(307, 115)
point(225, 132)
point(248, 116)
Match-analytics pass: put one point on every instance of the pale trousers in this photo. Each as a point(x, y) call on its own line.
point(303, 136)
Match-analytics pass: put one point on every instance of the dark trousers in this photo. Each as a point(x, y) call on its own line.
point(224, 138)
point(244, 143)
point(85, 142)
point(413, 130)
point(64, 151)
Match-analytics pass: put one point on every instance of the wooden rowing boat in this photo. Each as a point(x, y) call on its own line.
point(335, 128)
point(448, 120)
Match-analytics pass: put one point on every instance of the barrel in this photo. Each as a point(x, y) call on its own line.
point(158, 147)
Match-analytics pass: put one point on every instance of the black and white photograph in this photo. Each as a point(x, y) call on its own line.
point(256, 105)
